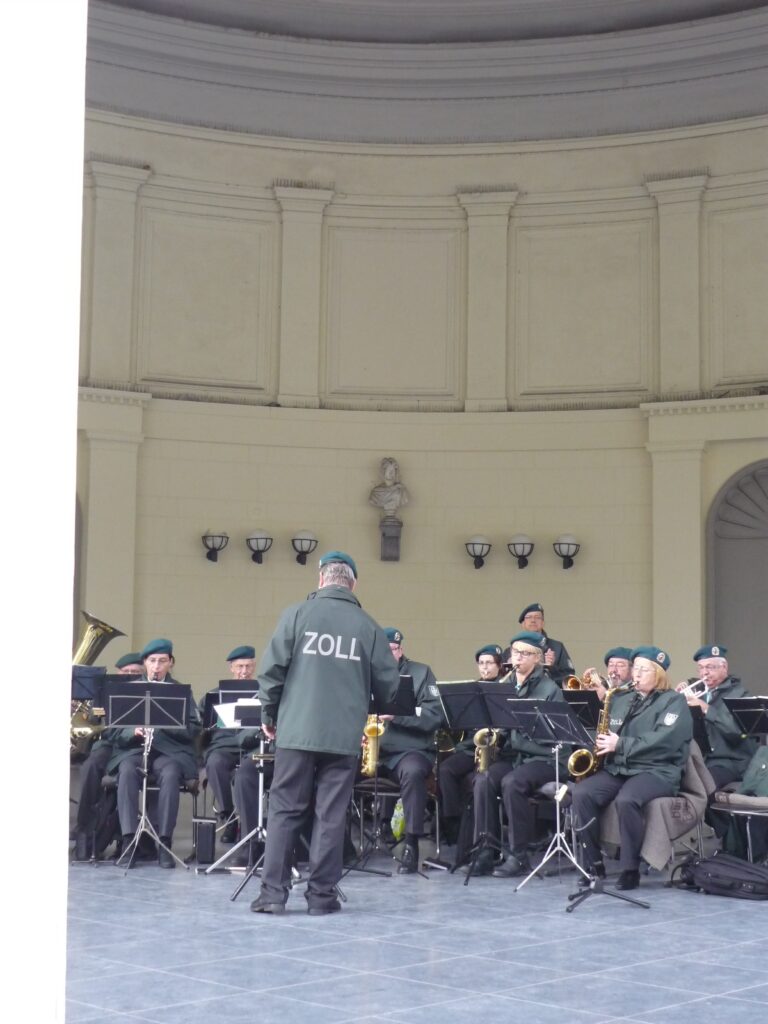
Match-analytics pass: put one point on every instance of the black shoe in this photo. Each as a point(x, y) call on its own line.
point(164, 857)
point(597, 870)
point(483, 865)
point(82, 846)
point(229, 833)
point(514, 866)
point(320, 909)
point(263, 906)
point(628, 880)
point(409, 862)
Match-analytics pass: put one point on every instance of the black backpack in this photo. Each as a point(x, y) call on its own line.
point(722, 875)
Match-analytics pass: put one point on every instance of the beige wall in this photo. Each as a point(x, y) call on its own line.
point(549, 338)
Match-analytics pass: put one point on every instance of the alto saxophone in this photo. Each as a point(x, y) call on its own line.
point(583, 762)
point(486, 748)
point(372, 733)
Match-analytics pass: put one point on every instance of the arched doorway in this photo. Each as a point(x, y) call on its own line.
point(737, 542)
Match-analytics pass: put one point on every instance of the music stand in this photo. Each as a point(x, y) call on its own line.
point(751, 714)
point(154, 706)
point(403, 703)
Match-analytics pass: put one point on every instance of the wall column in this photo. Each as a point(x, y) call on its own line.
point(678, 202)
point(111, 433)
point(109, 287)
point(302, 220)
point(678, 542)
point(487, 274)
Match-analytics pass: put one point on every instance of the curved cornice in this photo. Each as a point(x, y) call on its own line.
point(170, 70)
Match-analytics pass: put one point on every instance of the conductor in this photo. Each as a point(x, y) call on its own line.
point(325, 661)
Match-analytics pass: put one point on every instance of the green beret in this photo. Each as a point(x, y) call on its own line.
point(493, 649)
point(531, 608)
point(653, 654)
point(159, 646)
point(529, 637)
point(618, 652)
point(339, 556)
point(394, 635)
point(710, 651)
point(244, 651)
point(134, 658)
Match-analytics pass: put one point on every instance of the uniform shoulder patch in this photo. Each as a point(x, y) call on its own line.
point(670, 718)
point(433, 690)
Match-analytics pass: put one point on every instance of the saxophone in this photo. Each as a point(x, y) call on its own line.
point(372, 733)
point(583, 762)
point(486, 748)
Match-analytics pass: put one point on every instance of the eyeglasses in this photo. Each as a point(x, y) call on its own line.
point(523, 654)
point(642, 671)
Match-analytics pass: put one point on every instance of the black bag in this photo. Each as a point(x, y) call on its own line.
point(723, 875)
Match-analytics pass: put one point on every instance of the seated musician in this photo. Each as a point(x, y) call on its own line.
point(643, 757)
point(557, 660)
point(618, 665)
point(171, 759)
point(407, 748)
point(92, 771)
point(456, 768)
point(521, 767)
point(225, 747)
point(729, 752)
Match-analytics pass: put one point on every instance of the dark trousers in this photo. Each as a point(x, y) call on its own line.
point(219, 766)
point(452, 775)
point(168, 776)
point(411, 772)
point(516, 786)
point(631, 793)
point(247, 793)
point(298, 775)
point(91, 773)
point(722, 776)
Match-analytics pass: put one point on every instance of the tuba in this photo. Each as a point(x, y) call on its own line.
point(372, 733)
point(83, 726)
point(585, 762)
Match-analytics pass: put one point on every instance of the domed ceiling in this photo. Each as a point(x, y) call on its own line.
point(430, 70)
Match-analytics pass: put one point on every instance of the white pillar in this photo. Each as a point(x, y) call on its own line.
point(302, 223)
point(488, 275)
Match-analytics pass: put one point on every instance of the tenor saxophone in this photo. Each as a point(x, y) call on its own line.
point(583, 762)
point(372, 733)
point(486, 748)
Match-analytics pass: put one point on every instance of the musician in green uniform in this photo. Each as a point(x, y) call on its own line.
point(643, 756)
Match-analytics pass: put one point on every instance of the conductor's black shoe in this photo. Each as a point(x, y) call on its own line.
point(483, 864)
point(597, 870)
point(263, 906)
point(513, 867)
point(320, 909)
point(229, 833)
point(409, 863)
point(164, 857)
point(628, 880)
point(82, 846)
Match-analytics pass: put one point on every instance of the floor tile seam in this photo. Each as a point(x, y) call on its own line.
point(646, 962)
point(643, 984)
point(322, 963)
point(656, 1009)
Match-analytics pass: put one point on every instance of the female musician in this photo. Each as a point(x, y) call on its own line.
point(457, 766)
point(645, 752)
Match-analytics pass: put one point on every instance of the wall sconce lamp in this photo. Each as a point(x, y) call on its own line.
point(304, 543)
point(214, 543)
point(566, 547)
point(520, 547)
point(258, 543)
point(477, 549)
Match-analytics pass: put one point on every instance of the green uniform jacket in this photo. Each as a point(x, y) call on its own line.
point(729, 750)
point(755, 781)
point(325, 660)
point(220, 738)
point(176, 743)
point(655, 735)
point(517, 746)
point(405, 733)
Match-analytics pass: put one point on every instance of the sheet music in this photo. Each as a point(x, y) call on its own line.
point(226, 712)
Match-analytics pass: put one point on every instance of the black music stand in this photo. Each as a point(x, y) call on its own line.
point(751, 714)
point(154, 706)
point(404, 703)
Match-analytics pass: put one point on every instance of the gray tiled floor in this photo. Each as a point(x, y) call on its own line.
point(173, 948)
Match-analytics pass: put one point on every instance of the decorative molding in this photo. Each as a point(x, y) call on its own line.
point(706, 406)
point(611, 82)
point(743, 510)
point(109, 394)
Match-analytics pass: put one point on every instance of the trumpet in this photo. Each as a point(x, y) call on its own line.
point(695, 687)
point(586, 681)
